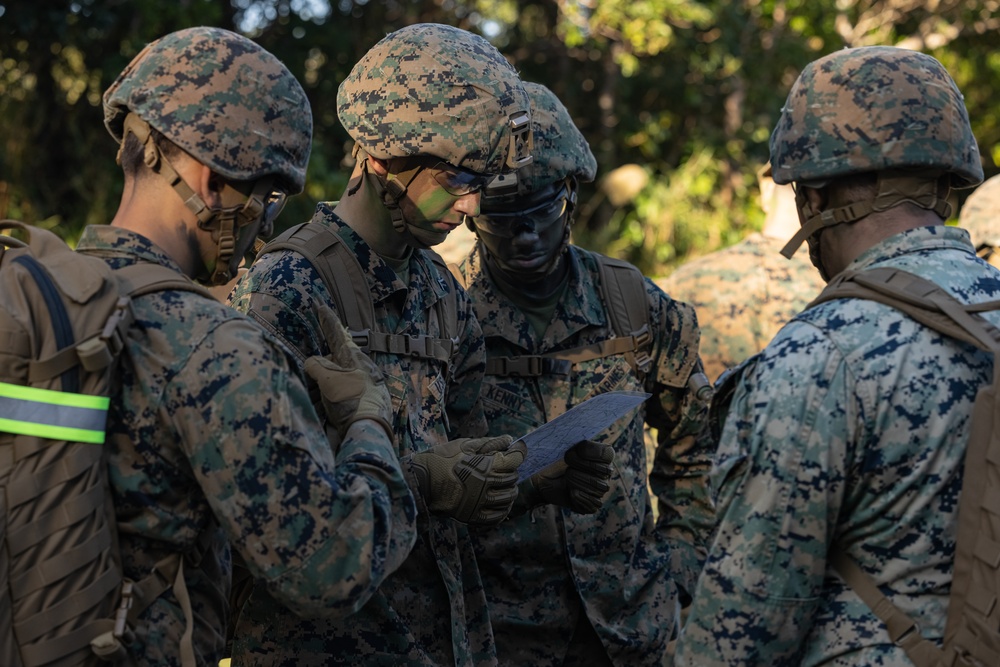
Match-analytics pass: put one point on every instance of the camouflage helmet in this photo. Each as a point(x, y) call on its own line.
point(979, 214)
point(430, 89)
point(871, 109)
point(560, 150)
point(222, 99)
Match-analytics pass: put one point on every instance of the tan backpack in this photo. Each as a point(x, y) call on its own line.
point(63, 317)
point(972, 632)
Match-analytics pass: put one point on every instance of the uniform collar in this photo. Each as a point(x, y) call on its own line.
point(912, 241)
point(383, 282)
point(125, 244)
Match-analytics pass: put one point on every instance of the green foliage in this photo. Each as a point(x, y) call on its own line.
point(688, 90)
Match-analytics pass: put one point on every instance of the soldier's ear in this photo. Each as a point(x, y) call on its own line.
point(379, 167)
point(817, 197)
point(211, 186)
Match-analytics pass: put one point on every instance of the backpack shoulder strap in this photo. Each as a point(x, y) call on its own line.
point(973, 624)
point(142, 279)
point(903, 630)
point(338, 267)
point(623, 288)
point(347, 283)
point(99, 351)
point(623, 291)
point(921, 299)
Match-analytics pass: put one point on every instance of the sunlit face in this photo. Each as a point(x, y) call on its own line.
point(438, 199)
point(525, 236)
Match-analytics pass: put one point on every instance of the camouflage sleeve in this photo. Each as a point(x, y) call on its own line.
point(781, 470)
point(465, 411)
point(321, 535)
point(682, 461)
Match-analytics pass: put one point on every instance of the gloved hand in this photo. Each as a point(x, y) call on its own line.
point(579, 482)
point(351, 384)
point(473, 480)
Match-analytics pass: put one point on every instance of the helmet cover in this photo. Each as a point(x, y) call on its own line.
point(871, 109)
point(560, 150)
point(221, 98)
point(431, 89)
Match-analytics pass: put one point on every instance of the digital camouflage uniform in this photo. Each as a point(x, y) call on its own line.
point(212, 437)
point(841, 434)
point(438, 92)
point(212, 442)
point(552, 572)
point(432, 609)
point(545, 568)
point(848, 432)
point(743, 295)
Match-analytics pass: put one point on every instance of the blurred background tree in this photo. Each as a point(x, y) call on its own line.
point(676, 97)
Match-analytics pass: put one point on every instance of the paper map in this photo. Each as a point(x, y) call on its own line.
point(547, 443)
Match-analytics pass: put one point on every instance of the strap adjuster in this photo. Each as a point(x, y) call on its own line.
point(362, 339)
point(121, 616)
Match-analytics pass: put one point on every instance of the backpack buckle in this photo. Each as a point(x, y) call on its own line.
point(643, 361)
point(555, 366)
point(121, 616)
point(362, 339)
point(410, 346)
point(97, 353)
point(108, 646)
point(118, 322)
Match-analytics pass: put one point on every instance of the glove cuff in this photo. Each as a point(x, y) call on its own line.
point(528, 498)
point(370, 407)
point(418, 479)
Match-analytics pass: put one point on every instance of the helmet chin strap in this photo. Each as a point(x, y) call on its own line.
point(894, 188)
point(391, 191)
point(222, 223)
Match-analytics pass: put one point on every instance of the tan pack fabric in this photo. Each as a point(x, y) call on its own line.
point(623, 290)
point(344, 277)
point(972, 633)
point(63, 317)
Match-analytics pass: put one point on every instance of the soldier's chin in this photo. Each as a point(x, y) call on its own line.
point(425, 238)
point(527, 271)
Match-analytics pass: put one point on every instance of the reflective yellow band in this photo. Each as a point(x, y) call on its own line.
point(53, 397)
point(53, 414)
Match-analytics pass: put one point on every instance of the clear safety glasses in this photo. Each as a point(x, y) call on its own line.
point(535, 219)
point(458, 182)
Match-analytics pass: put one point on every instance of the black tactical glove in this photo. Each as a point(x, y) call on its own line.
point(473, 480)
point(579, 482)
point(351, 384)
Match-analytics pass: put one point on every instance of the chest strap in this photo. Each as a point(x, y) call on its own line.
point(347, 283)
point(561, 362)
point(403, 345)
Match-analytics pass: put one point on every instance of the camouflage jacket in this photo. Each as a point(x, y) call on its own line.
point(213, 441)
point(432, 610)
point(847, 431)
point(544, 569)
point(743, 294)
